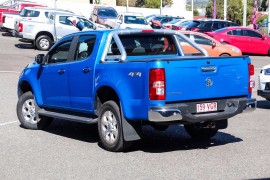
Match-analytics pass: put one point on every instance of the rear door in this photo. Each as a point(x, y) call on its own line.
point(257, 44)
point(81, 72)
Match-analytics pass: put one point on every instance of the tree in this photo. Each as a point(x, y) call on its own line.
point(234, 10)
point(195, 12)
point(131, 3)
point(153, 3)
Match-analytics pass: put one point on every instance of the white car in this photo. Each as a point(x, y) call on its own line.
point(264, 83)
point(131, 21)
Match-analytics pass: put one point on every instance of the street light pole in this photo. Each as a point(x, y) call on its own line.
point(245, 14)
point(160, 7)
point(127, 5)
point(225, 9)
point(215, 10)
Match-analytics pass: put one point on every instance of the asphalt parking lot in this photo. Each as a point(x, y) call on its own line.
point(68, 150)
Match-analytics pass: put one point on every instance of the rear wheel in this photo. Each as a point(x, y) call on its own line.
point(43, 43)
point(268, 52)
point(110, 127)
point(27, 112)
point(225, 54)
point(197, 131)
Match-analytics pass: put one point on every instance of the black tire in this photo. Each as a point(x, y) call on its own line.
point(268, 52)
point(27, 109)
point(196, 131)
point(110, 127)
point(225, 54)
point(43, 43)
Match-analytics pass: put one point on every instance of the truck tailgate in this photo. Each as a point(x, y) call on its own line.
point(197, 79)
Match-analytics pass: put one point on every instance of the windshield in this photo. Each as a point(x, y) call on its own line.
point(107, 12)
point(220, 30)
point(192, 24)
point(135, 20)
point(174, 21)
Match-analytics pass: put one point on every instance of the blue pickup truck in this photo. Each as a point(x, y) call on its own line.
point(124, 79)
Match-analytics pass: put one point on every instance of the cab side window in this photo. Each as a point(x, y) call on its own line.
point(64, 20)
point(60, 53)
point(85, 47)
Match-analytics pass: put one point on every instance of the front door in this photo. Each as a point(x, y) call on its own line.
point(53, 77)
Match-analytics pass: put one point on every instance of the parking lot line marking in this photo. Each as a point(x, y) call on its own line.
point(2, 124)
point(15, 72)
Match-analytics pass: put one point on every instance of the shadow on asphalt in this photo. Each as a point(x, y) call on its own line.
point(7, 34)
point(24, 46)
point(174, 138)
point(263, 104)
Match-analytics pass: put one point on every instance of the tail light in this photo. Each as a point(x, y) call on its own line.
point(4, 19)
point(157, 85)
point(195, 29)
point(168, 27)
point(251, 73)
point(20, 27)
point(176, 28)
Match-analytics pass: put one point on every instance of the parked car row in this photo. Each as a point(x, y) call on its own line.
point(43, 26)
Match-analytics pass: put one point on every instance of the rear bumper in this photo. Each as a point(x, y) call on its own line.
point(186, 112)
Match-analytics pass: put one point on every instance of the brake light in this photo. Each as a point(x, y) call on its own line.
point(20, 27)
point(148, 31)
point(168, 27)
point(4, 19)
point(157, 85)
point(195, 29)
point(251, 73)
point(176, 28)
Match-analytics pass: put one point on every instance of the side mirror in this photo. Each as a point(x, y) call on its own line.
point(39, 58)
point(214, 44)
point(264, 38)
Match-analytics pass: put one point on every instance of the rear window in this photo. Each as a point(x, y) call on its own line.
point(107, 12)
point(142, 45)
point(135, 20)
point(29, 13)
point(206, 25)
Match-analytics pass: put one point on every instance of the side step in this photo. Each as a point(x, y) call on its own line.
point(69, 117)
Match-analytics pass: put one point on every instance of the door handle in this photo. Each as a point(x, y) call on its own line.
point(61, 71)
point(86, 70)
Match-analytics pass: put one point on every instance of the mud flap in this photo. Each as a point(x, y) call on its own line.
point(131, 131)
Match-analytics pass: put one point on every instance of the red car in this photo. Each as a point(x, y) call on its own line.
point(246, 39)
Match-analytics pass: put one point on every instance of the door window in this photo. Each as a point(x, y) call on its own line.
point(85, 47)
point(202, 40)
point(252, 34)
point(237, 32)
point(60, 53)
